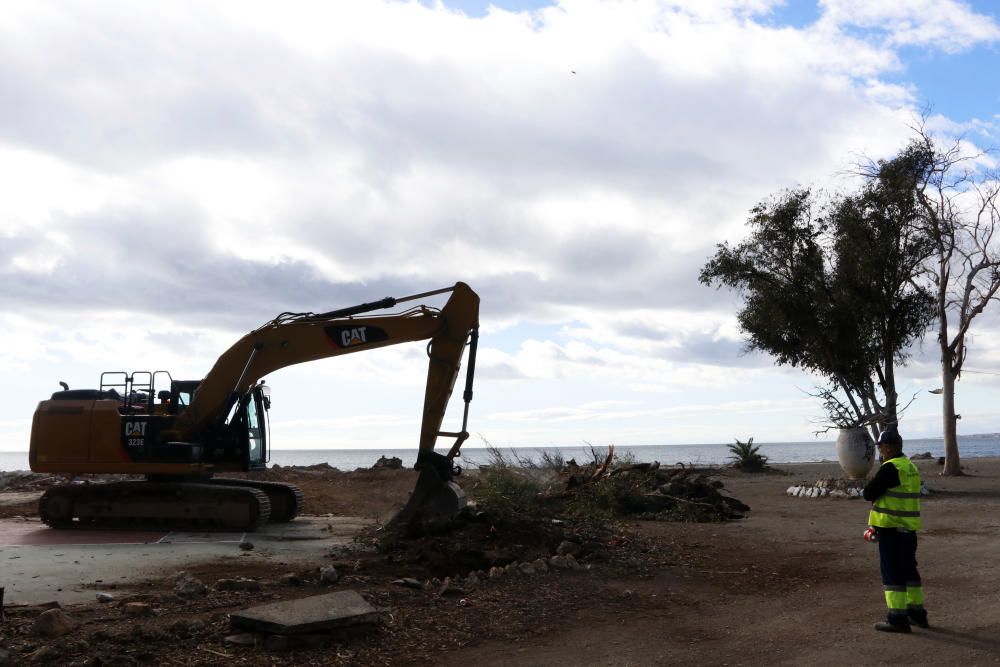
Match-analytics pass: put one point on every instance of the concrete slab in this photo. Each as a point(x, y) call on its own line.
point(71, 570)
point(26, 532)
point(318, 613)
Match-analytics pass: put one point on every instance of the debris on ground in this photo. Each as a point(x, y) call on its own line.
point(645, 490)
point(442, 591)
point(836, 487)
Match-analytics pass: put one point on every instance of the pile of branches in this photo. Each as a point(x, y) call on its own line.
point(608, 489)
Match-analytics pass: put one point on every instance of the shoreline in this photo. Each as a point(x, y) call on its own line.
point(776, 465)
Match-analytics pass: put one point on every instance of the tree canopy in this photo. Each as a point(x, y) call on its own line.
point(829, 284)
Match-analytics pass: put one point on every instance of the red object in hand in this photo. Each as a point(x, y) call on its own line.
point(871, 535)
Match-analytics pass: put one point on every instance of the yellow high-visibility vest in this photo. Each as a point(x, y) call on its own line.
point(899, 507)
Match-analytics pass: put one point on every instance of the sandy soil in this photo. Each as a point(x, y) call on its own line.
point(793, 583)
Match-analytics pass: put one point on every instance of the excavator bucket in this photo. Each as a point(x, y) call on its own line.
point(435, 501)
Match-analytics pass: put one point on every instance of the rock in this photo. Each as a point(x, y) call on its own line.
point(472, 581)
point(392, 463)
point(449, 588)
point(54, 623)
point(242, 639)
point(105, 597)
point(251, 585)
point(526, 569)
point(566, 547)
point(328, 575)
point(138, 609)
point(246, 546)
point(495, 572)
point(238, 584)
point(558, 562)
point(924, 491)
point(573, 563)
point(791, 491)
point(408, 582)
point(186, 586)
point(541, 564)
point(290, 579)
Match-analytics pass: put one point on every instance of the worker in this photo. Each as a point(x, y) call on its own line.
point(895, 519)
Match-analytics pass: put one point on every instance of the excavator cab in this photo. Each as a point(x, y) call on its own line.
point(250, 426)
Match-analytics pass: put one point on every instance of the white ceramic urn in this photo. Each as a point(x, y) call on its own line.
point(856, 452)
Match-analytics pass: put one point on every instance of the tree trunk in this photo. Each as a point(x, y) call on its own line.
point(952, 464)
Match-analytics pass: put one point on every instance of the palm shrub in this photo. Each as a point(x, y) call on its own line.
point(747, 457)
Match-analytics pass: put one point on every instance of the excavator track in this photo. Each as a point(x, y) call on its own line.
point(287, 500)
point(155, 504)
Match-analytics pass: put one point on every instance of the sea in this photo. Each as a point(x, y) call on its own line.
point(972, 446)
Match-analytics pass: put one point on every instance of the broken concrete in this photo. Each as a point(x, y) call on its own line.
point(318, 613)
point(328, 575)
point(54, 623)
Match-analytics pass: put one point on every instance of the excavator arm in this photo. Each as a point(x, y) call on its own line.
point(292, 339)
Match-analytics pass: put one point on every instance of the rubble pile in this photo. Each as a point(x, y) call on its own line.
point(830, 487)
point(836, 487)
point(647, 490)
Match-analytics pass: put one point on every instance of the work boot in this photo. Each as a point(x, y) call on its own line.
point(893, 627)
point(918, 617)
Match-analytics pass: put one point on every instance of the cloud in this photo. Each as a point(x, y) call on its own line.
point(177, 173)
point(948, 25)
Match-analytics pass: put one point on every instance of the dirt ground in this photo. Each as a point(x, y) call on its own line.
point(793, 583)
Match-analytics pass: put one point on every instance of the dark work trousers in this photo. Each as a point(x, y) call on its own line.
point(897, 551)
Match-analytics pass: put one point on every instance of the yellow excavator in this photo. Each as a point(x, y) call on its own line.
point(179, 438)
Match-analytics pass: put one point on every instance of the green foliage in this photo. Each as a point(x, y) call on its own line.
point(829, 284)
point(607, 498)
point(747, 457)
point(505, 486)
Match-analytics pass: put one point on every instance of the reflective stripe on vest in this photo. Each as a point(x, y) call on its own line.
point(899, 507)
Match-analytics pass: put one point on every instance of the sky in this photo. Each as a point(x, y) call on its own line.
point(174, 174)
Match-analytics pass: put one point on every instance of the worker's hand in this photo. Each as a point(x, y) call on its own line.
point(871, 535)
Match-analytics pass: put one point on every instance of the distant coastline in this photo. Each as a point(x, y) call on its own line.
point(970, 446)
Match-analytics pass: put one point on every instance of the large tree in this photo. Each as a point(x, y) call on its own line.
point(828, 284)
point(959, 213)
